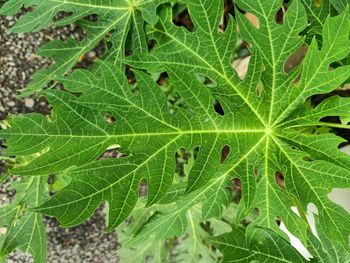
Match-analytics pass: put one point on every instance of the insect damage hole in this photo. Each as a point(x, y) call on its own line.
point(278, 220)
point(218, 108)
point(236, 189)
point(110, 118)
point(225, 151)
point(143, 186)
point(61, 15)
point(207, 81)
point(280, 179)
point(310, 216)
point(295, 242)
point(294, 60)
point(184, 160)
point(240, 65)
point(253, 19)
point(182, 17)
point(112, 152)
point(280, 15)
point(341, 197)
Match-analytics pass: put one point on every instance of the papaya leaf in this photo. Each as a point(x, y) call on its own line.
point(264, 123)
point(270, 248)
point(24, 229)
point(192, 246)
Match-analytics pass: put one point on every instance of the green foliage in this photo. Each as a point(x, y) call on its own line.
point(270, 248)
point(192, 246)
point(24, 228)
point(116, 20)
point(266, 125)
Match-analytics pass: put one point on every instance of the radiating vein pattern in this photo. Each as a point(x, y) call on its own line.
point(278, 148)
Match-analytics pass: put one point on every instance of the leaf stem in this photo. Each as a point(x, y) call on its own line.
point(324, 124)
point(301, 211)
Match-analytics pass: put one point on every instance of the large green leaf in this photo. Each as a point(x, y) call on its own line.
point(265, 123)
point(281, 97)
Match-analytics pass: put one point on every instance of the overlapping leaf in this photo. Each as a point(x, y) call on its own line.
point(270, 248)
point(144, 128)
point(317, 13)
point(25, 229)
point(193, 246)
point(265, 125)
point(116, 20)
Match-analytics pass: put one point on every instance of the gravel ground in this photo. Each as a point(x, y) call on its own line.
point(85, 243)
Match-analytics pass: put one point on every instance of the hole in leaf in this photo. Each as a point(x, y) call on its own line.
point(174, 99)
point(61, 15)
point(236, 189)
point(295, 242)
point(280, 179)
point(218, 108)
point(88, 59)
point(252, 215)
point(151, 43)
point(240, 65)
point(92, 17)
point(182, 158)
point(163, 79)
point(206, 226)
point(278, 220)
point(182, 17)
point(340, 197)
point(130, 75)
point(253, 19)
point(110, 118)
point(51, 179)
point(228, 10)
point(109, 45)
point(206, 80)
point(143, 188)
point(295, 59)
point(310, 215)
point(279, 15)
point(225, 151)
point(195, 152)
point(111, 152)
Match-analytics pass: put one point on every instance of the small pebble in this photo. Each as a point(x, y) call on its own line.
point(29, 102)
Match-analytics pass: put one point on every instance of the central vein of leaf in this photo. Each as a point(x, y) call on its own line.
point(268, 131)
point(132, 6)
